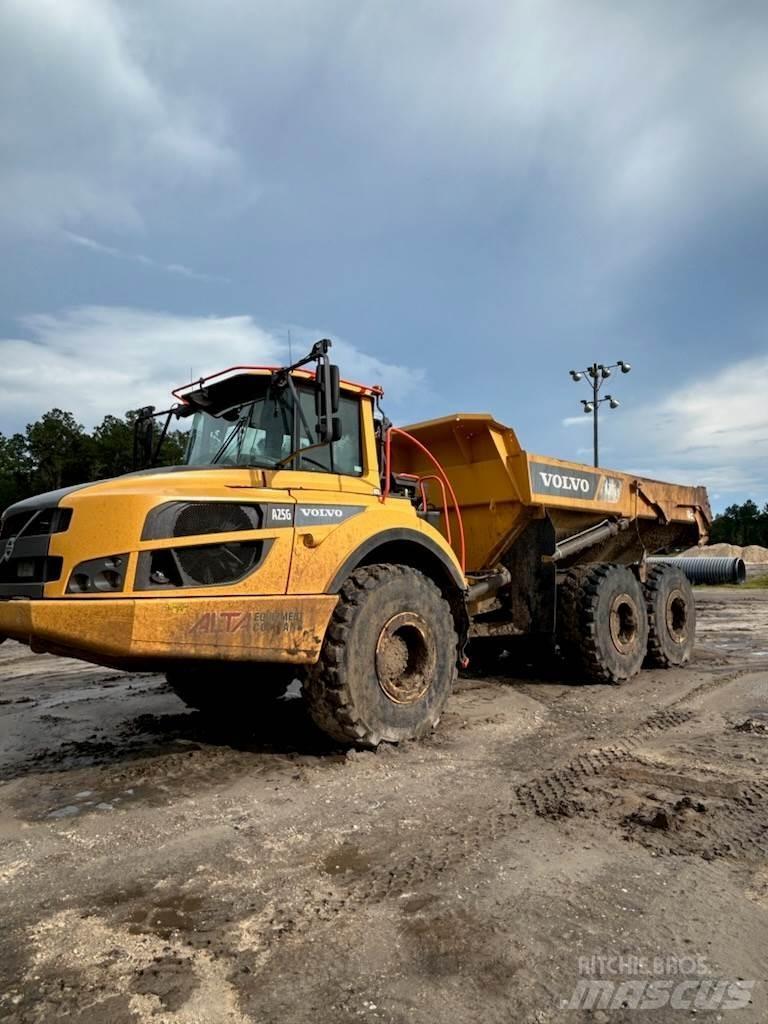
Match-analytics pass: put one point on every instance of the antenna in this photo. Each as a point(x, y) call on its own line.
point(290, 347)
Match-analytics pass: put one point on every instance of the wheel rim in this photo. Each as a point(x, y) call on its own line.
point(624, 623)
point(405, 658)
point(677, 617)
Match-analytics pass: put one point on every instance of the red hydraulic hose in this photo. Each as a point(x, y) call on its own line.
point(443, 477)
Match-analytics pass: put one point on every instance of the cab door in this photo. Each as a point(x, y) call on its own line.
point(331, 499)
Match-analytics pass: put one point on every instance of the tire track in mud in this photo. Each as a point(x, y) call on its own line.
point(550, 795)
point(362, 873)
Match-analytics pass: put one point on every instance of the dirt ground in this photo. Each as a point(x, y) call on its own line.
point(156, 867)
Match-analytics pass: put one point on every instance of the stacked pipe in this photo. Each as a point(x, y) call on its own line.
point(706, 570)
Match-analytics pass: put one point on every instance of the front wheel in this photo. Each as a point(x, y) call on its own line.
point(388, 662)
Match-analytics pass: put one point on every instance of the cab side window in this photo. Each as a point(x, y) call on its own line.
point(344, 456)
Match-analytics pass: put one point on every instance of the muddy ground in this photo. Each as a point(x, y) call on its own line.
point(156, 867)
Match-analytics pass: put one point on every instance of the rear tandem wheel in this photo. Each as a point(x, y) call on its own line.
point(671, 616)
point(602, 624)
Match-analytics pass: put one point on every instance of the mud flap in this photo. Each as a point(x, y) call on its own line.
point(533, 592)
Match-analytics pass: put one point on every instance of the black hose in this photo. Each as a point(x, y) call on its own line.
point(707, 570)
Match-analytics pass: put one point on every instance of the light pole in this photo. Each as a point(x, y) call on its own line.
point(598, 374)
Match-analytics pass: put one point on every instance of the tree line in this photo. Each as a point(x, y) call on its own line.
point(741, 524)
point(57, 451)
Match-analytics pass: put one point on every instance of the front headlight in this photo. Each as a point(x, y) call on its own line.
point(98, 575)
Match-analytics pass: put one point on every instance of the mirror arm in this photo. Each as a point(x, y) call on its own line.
point(144, 417)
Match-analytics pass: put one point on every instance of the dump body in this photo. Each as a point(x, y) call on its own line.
point(501, 489)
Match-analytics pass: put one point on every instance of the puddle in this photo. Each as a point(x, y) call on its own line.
point(89, 801)
point(415, 904)
point(166, 916)
point(346, 859)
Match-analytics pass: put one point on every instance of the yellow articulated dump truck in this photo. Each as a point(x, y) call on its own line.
point(305, 536)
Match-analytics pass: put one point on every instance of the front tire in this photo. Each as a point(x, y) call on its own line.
point(389, 659)
point(671, 609)
point(602, 622)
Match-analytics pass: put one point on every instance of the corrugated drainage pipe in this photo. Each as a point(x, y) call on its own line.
point(707, 570)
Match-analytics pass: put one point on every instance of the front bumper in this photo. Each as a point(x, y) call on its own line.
point(142, 632)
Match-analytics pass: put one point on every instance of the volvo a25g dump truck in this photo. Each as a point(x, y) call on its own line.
point(305, 536)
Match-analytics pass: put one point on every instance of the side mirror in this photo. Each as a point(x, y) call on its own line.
point(327, 398)
point(335, 385)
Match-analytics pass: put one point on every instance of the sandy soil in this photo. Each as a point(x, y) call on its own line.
point(155, 867)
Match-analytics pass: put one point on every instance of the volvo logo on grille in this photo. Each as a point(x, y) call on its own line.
point(7, 554)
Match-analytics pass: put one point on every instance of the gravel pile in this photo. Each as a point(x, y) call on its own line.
point(752, 553)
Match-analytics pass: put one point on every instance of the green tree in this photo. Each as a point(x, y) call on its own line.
point(741, 524)
point(60, 450)
point(173, 448)
point(112, 447)
point(16, 469)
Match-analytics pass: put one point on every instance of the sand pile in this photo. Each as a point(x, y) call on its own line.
point(752, 553)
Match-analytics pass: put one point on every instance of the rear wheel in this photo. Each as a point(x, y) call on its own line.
point(227, 689)
point(388, 661)
point(602, 622)
point(671, 611)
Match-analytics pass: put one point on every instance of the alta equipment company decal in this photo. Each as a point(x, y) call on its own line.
point(268, 621)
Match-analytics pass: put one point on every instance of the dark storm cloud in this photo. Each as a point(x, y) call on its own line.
point(491, 192)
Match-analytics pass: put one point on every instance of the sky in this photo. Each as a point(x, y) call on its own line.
point(469, 199)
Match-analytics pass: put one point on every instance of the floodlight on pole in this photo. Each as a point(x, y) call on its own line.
point(598, 372)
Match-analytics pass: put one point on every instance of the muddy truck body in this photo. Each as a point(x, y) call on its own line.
point(306, 537)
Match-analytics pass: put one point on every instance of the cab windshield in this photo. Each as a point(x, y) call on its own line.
point(273, 431)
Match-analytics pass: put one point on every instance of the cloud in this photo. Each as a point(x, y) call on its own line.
point(94, 360)
point(625, 107)
point(577, 421)
point(631, 117)
point(88, 133)
point(134, 257)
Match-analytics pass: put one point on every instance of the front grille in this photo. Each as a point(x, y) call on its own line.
point(197, 518)
point(25, 565)
point(41, 522)
point(194, 520)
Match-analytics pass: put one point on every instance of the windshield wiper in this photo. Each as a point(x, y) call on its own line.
point(238, 428)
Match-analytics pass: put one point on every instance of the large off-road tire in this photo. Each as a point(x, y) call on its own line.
point(229, 690)
point(602, 622)
point(389, 659)
point(671, 611)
